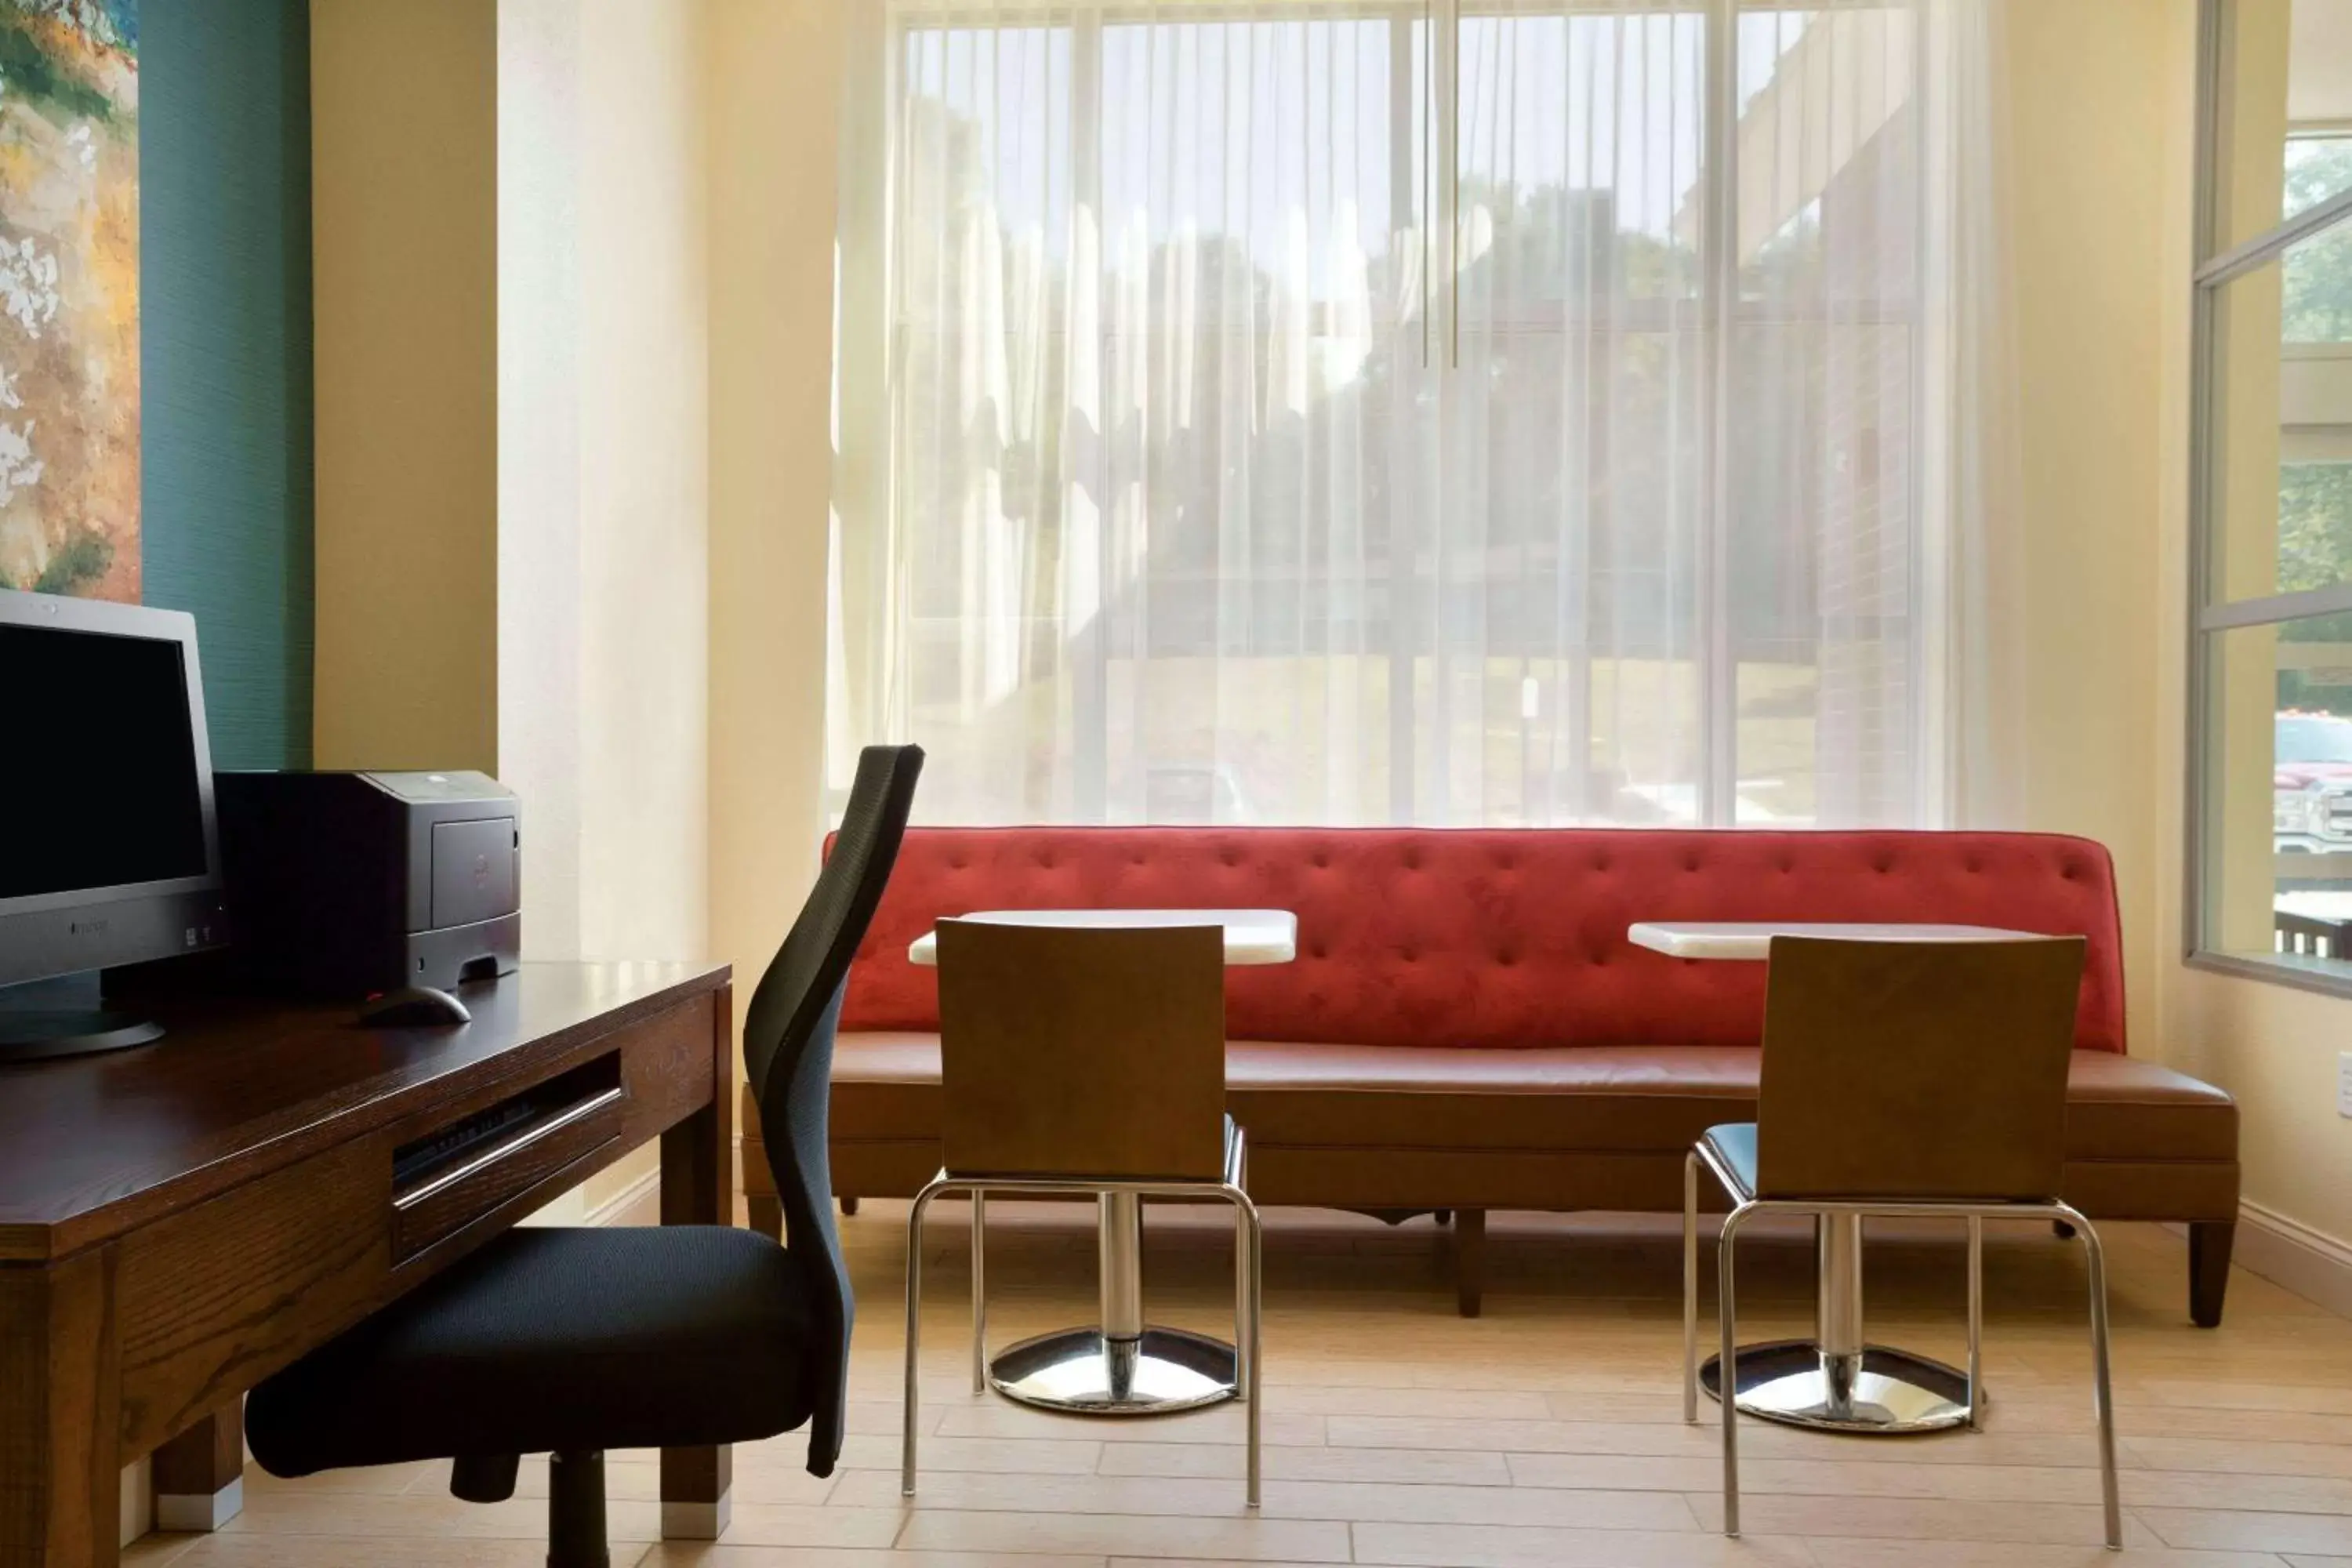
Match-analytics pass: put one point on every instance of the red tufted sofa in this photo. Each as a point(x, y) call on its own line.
point(1467, 1029)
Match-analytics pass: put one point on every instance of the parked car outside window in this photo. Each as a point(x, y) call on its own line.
point(2311, 784)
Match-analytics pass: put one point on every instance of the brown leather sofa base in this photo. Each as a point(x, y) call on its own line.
point(1597, 1127)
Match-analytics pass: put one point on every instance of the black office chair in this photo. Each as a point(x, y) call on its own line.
point(572, 1341)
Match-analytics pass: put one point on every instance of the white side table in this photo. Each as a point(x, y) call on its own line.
point(1836, 1381)
point(1123, 1366)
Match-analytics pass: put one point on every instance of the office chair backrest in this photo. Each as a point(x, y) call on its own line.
point(788, 1060)
point(1926, 1071)
point(1094, 1052)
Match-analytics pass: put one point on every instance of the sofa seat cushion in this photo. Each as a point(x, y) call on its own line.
point(1651, 1099)
point(1596, 1099)
point(2123, 1108)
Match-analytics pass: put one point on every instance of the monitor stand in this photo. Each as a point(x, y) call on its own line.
point(63, 1018)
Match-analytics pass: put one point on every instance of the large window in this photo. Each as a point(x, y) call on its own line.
point(1308, 412)
point(2270, 850)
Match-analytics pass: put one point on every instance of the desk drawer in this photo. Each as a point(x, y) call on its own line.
point(554, 1125)
point(213, 1299)
point(212, 1291)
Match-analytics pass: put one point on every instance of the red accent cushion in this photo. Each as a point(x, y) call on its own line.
point(1500, 937)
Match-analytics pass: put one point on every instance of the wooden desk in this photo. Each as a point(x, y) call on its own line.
point(179, 1220)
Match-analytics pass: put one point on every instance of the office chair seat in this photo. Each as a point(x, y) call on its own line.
point(557, 1339)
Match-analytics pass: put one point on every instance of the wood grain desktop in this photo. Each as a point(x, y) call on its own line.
point(180, 1221)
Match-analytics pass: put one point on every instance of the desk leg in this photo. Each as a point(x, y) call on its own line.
point(60, 1466)
point(200, 1474)
point(698, 1187)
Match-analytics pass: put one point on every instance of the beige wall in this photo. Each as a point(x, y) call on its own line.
point(645, 452)
point(2273, 1047)
point(405, 206)
point(604, 454)
point(561, 524)
point(539, 473)
point(2085, 128)
point(551, 195)
point(2095, 104)
point(2100, 106)
point(644, 481)
point(774, 94)
point(603, 465)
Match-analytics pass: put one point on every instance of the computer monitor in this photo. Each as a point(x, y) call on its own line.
point(108, 849)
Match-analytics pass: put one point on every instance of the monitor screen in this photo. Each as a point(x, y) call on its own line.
point(102, 790)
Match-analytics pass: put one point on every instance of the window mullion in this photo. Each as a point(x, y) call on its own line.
point(2265, 248)
point(1091, 648)
point(2273, 609)
point(1720, 298)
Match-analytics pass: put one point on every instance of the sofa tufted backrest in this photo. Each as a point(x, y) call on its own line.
point(1504, 937)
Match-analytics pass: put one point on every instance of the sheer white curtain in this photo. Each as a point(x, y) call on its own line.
point(1299, 412)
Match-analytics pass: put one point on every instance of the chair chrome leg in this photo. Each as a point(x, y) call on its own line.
point(1976, 1323)
point(2102, 1385)
point(1242, 1386)
point(1727, 1313)
point(1690, 1286)
point(1250, 1260)
point(978, 1291)
point(913, 1332)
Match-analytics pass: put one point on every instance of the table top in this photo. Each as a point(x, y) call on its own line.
point(90, 1145)
point(1752, 939)
point(1252, 936)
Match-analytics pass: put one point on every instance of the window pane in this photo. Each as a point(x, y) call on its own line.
point(1574, 481)
point(2283, 131)
point(2317, 166)
point(1824, 530)
point(1205, 503)
point(2281, 478)
point(2278, 758)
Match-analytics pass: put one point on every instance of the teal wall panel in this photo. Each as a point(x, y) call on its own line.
point(225, 358)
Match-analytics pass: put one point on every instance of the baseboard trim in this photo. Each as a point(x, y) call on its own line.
point(2290, 1253)
point(639, 1202)
point(203, 1514)
point(138, 1500)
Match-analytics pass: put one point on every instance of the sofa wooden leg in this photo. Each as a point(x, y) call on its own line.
point(767, 1213)
point(849, 1205)
point(2209, 1270)
point(1469, 1260)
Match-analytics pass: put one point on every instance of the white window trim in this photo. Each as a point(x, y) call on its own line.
point(2207, 616)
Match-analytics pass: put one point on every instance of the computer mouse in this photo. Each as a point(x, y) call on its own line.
point(413, 1007)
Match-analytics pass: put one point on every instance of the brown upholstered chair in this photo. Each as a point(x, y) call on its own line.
point(1088, 1061)
point(1915, 1078)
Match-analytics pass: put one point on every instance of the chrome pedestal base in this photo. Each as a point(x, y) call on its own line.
point(1880, 1391)
point(1162, 1371)
point(1120, 1366)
